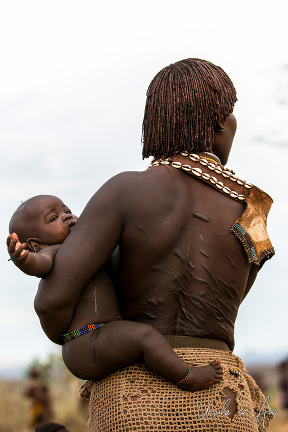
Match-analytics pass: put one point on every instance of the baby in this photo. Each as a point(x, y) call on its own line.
point(97, 342)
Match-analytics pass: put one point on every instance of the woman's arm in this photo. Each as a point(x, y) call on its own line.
point(33, 264)
point(84, 252)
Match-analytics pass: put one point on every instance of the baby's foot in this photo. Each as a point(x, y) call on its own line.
point(203, 376)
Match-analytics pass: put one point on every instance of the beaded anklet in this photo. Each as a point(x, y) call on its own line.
point(188, 373)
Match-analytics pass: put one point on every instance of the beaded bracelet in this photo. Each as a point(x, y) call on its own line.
point(188, 373)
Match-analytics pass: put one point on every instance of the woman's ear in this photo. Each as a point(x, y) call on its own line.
point(223, 138)
point(34, 244)
point(219, 127)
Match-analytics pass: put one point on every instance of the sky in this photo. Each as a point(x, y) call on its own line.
point(73, 81)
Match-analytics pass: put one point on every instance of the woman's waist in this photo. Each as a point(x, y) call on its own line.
point(177, 341)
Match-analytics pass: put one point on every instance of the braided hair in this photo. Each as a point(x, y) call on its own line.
point(186, 101)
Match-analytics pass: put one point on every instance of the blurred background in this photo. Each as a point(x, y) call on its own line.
point(73, 82)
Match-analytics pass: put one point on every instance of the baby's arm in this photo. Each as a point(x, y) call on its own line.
point(33, 264)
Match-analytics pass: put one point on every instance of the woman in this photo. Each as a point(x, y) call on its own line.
point(192, 237)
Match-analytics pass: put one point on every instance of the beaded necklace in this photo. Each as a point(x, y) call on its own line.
point(209, 159)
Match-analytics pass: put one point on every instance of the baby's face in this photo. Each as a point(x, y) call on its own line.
point(53, 220)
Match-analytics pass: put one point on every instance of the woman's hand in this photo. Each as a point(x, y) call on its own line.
point(16, 250)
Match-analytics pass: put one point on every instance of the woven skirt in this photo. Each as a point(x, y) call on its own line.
point(136, 399)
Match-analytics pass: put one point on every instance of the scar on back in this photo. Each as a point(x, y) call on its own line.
point(180, 256)
point(201, 217)
point(233, 264)
point(141, 228)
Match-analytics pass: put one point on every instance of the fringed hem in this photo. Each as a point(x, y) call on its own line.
point(249, 247)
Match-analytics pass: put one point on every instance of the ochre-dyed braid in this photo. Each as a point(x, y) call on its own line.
point(185, 102)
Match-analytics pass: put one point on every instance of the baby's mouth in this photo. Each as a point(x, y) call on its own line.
point(71, 224)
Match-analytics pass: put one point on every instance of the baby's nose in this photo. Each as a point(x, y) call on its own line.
point(67, 216)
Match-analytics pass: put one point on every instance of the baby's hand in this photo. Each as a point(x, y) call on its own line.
point(16, 250)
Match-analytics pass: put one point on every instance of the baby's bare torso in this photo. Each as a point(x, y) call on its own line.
point(97, 303)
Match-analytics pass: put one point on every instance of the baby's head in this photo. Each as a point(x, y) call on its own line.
point(42, 221)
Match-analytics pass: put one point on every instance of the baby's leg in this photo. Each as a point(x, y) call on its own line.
point(123, 343)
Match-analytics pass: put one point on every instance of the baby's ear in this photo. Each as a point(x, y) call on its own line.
point(34, 245)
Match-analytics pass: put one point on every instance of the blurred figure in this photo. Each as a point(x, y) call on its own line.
point(260, 380)
point(38, 392)
point(284, 382)
point(51, 427)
